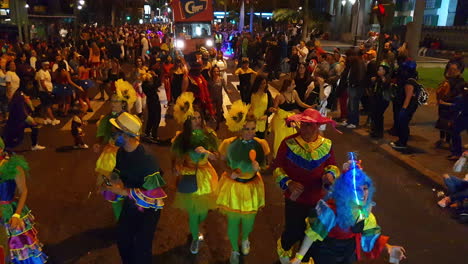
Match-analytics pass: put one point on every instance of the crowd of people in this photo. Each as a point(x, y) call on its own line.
point(131, 65)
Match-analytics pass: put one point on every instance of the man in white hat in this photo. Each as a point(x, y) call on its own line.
point(138, 179)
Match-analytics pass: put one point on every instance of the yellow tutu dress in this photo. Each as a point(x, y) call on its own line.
point(245, 194)
point(204, 197)
point(281, 131)
point(259, 106)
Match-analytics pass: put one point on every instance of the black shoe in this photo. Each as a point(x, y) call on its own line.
point(397, 145)
point(90, 110)
point(376, 135)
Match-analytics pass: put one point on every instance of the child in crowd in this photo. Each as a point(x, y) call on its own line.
point(77, 127)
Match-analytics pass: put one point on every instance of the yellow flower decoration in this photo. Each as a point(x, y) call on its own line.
point(125, 92)
point(183, 107)
point(236, 116)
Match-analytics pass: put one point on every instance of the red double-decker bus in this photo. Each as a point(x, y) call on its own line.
point(192, 21)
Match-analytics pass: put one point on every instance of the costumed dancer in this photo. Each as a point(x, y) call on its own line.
point(15, 217)
point(140, 103)
point(262, 101)
point(241, 192)
point(120, 102)
point(245, 74)
point(304, 167)
point(139, 181)
point(342, 229)
point(198, 85)
point(192, 150)
point(286, 104)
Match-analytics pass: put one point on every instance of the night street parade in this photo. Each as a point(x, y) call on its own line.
point(233, 131)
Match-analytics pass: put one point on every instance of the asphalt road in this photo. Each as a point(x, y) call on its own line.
point(78, 227)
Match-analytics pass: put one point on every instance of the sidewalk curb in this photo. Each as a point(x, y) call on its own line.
point(405, 160)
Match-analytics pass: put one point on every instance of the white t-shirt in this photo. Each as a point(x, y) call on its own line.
point(44, 76)
point(304, 50)
point(14, 81)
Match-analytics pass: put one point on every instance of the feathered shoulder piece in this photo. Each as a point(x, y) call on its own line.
point(125, 92)
point(9, 167)
point(183, 107)
point(236, 116)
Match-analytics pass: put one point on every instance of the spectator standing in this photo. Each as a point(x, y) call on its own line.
point(46, 96)
point(407, 110)
point(302, 51)
point(460, 107)
point(355, 89)
point(380, 98)
point(12, 80)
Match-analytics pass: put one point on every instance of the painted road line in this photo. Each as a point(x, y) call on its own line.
point(163, 101)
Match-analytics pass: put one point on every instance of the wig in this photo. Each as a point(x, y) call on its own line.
point(348, 195)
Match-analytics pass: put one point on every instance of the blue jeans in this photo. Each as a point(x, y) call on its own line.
point(354, 97)
point(404, 119)
point(459, 124)
point(457, 188)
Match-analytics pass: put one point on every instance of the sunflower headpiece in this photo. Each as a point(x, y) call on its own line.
point(183, 107)
point(236, 116)
point(125, 92)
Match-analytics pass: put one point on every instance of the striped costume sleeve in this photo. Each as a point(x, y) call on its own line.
point(317, 228)
point(332, 169)
point(372, 242)
point(151, 195)
point(282, 178)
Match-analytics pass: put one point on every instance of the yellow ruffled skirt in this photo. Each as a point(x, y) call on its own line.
point(280, 130)
point(238, 197)
point(205, 196)
point(106, 161)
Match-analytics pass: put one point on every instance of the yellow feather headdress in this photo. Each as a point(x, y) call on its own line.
point(236, 116)
point(183, 107)
point(125, 92)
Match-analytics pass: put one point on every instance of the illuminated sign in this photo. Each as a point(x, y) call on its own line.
point(192, 7)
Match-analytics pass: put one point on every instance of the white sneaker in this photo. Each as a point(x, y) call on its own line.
point(84, 146)
point(37, 147)
point(47, 121)
point(234, 259)
point(351, 126)
point(55, 122)
point(245, 247)
point(344, 123)
point(194, 246)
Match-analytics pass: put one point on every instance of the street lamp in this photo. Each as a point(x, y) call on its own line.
point(26, 6)
point(81, 2)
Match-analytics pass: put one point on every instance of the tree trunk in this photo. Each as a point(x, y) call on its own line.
point(306, 20)
point(241, 17)
point(413, 29)
point(251, 24)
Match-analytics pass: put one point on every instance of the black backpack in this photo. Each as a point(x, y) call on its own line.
point(422, 96)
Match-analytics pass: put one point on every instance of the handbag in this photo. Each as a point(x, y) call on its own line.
point(188, 182)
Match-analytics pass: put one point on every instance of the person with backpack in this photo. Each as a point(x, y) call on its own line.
point(412, 91)
point(406, 70)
